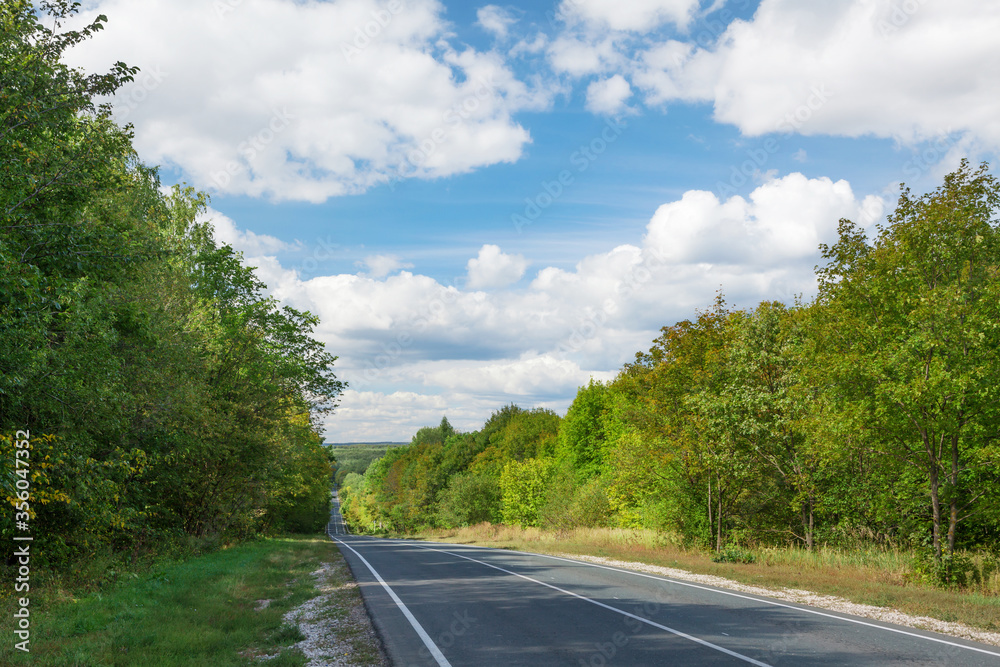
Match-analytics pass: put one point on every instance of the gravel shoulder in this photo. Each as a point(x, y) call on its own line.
point(335, 624)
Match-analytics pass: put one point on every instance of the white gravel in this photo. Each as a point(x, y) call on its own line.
point(324, 644)
point(833, 603)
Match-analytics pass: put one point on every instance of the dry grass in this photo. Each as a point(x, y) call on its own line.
point(867, 576)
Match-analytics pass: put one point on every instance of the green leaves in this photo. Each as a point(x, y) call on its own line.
point(178, 395)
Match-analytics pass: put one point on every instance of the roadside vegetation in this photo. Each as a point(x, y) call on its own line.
point(227, 607)
point(157, 394)
point(854, 433)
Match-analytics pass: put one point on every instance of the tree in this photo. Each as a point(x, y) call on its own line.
point(764, 406)
point(582, 434)
point(522, 490)
point(913, 337)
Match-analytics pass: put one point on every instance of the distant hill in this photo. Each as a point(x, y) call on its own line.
point(357, 456)
point(345, 444)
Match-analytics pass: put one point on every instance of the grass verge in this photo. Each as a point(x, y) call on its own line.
point(875, 577)
point(208, 610)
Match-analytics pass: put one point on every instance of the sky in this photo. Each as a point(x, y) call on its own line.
point(490, 204)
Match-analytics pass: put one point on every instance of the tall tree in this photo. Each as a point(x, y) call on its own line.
point(913, 338)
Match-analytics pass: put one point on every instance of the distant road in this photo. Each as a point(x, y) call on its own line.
point(446, 604)
point(336, 525)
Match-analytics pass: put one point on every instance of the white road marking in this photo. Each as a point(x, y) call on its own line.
point(744, 597)
point(424, 637)
point(772, 602)
point(605, 606)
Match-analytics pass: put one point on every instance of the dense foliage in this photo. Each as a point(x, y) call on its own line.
point(870, 414)
point(165, 394)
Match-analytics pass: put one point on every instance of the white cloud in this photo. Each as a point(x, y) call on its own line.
point(379, 266)
point(608, 96)
point(908, 71)
point(783, 222)
point(495, 20)
point(579, 56)
point(250, 244)
point(528, 376)
point(412, 347)
point(493, 268)
point(308, 100)
point(635, 15)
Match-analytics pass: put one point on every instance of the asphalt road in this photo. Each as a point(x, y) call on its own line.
point(446, 604)
point(336, 525)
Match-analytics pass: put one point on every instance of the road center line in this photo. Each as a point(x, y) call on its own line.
point(605, 606)
point(424, 637)
point(771, 602)
point(774, 603)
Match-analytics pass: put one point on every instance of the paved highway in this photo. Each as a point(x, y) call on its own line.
point(336, 525)
point(446, 604)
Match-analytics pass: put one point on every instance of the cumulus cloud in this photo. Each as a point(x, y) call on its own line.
point(406, 340)
point(636, 15)
point(852, 68)
point(608, 96)
point(495, 20)
point(250, 244)
point(579, 56)
point(493, 268)
point(306, 101)
point(782, 222)
point(379, 266)
point(529, 376)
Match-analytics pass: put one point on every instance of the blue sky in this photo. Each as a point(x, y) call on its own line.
point(494, 203)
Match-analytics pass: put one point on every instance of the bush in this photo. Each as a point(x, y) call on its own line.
point(734, 554)
point(952, 570)
point(469, 499)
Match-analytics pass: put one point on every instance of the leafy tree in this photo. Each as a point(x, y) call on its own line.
point(469, 499)
point(582, 437)
point(522, 490)
point(913, 337)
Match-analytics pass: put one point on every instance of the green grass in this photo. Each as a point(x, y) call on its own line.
point(198, 612)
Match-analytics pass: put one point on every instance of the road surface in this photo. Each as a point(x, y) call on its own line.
point(336, 525)
point(447, 604)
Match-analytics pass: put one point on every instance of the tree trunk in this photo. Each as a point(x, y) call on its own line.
point(710, 523)
point(953, 515)
point(936, 508)
point(810, 525)
point(718, 518)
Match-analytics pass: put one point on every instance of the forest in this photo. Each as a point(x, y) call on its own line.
point(151, 393)
point(868, 415)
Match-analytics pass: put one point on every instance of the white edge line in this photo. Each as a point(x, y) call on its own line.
point(428, 642)
point(609, 607)
point(737, 595)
